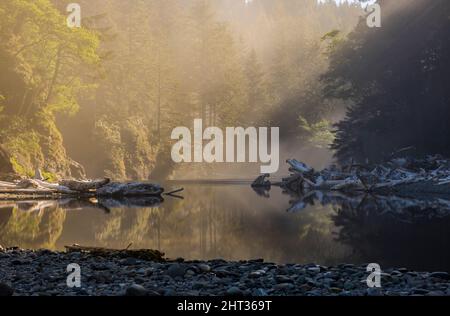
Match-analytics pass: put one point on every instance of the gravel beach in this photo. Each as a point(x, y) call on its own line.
point(44, 273)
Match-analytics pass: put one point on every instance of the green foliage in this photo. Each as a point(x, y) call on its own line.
point(2, 98)
point(110, 146)
point(318, 134)
point(43, 68)
point(333, 39)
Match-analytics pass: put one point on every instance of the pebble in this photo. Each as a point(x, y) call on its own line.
point(136, 290)
point(6, 290)
point(176, 270)
point(40, 273)
point(234, 291)
point(204, 268)
point(374, 292)
point(283, 279)
point(259, 292)
point(284, 286)
point(440, 275)
point(314, 269)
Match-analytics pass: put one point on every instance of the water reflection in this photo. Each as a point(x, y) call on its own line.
point(233, 222)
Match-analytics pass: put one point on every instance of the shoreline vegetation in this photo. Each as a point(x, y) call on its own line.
point(106, 272)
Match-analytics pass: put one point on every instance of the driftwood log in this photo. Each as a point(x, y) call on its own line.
point(84, 186)
point(262, 181)
point(143, 254)
point(73, 188)
point(427, 175)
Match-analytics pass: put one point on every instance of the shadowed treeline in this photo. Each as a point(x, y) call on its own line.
point(395, 77)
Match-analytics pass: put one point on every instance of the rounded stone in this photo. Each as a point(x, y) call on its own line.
point(204, 268)
point(6, 290)
point(136, 290)
point(234, 291)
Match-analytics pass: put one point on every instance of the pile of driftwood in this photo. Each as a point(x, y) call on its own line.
point(39, 188)
point(428, 175)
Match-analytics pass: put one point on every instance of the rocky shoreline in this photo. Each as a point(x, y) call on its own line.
point(44, 273)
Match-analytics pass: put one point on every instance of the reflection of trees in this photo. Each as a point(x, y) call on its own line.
point(124, 226)
point(229, 222)
point(213, 223)
point(415, 235)
point(36, 229)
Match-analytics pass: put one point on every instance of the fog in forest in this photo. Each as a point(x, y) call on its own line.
point(103, 99)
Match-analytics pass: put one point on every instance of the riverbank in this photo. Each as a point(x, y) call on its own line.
point(44, 273)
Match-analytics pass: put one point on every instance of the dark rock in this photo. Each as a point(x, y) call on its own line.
point(314, 269)
point(204, 268)
point(259, 292)
point(257, 274)
point(200, 285)
point(176, 270)
point(335, 290)
point(284, 286)
point(234, 291)
point(419, 291)
point(283, 279)
point(305, 287)
point(136, 290)
point(440, 275)
point(130, 261)
point(6, 290)
point(102, 277)
point(374, 292)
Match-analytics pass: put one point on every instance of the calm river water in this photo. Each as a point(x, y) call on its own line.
point(233, 222)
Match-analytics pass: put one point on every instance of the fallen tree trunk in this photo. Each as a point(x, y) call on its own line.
point(73, 188)
point(84, 186)
point(143, 254)
point(130, 189)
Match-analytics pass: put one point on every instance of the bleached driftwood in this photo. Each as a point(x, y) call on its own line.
point(429, 174)
point(36, 188)
point(299, 166)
